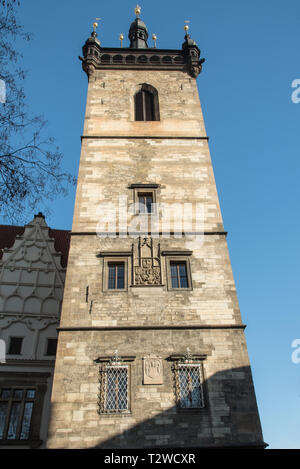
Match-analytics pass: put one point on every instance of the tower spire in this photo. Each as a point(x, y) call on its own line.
point(138, 33)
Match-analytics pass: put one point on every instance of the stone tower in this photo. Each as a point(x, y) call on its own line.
point(151, 350)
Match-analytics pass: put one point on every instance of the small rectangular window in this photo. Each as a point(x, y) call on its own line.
point(116, 276)
point(51, 347)
point(115, 271)
point(145, 202)
point(145, 198)
point(15, 346)
point(179, 277)
point(178, 270)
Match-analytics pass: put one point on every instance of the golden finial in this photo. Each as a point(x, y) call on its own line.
point(121, 37)
point(137, 11)
point(95, 24)
point(186, 26)
point(154, 37)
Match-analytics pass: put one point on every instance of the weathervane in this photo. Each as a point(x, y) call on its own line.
point(95, 24)
point(186, 26)
point(137, 11)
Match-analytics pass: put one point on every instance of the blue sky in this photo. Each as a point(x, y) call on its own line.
point(252, 57)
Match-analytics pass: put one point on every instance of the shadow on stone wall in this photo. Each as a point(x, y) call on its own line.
point(230, 419)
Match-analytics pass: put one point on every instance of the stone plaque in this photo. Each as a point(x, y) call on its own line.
point(153, 370)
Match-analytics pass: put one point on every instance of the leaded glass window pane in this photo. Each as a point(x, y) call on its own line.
point(115, 389)
point(190, 387)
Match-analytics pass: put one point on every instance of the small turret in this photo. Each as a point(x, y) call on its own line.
point(138, 33)
point(192, 54)
point(91, 52)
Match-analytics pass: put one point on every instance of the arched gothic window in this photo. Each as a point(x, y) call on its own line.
point(146, 104)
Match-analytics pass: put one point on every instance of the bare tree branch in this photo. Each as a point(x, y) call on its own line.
point(30, 163)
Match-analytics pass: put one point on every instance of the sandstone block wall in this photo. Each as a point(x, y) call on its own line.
point(173, 155)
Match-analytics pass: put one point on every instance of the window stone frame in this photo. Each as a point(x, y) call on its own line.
point(178, 256)
point(47, 345)
point(105, 362)
point(198, 360)
point(115, 258)
point(144, 189)
point(155, 97)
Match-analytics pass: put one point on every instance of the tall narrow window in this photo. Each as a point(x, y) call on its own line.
point(146, 104)
point(114, 389)
point(179, 277)
point(190, 387)
point(116, 276)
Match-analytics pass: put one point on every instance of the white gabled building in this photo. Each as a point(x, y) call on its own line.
point(32, 274)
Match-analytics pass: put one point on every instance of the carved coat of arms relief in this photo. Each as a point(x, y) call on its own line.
point(152, 370)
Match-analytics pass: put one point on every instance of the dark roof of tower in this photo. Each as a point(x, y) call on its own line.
point(138, 34)
point(138, 23)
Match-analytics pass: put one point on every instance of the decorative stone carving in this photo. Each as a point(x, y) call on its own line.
point(152, 370)
point(147, 274)
point(147, 268)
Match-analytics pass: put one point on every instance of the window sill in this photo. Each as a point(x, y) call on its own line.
point(124, 413)
point(116, 290)
point(30, 443)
